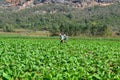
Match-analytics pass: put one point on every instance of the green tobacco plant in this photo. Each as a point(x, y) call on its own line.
point(46, 59)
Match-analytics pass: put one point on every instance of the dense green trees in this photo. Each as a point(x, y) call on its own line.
point(91, 21)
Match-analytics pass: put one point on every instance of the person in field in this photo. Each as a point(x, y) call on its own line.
point(63, 38)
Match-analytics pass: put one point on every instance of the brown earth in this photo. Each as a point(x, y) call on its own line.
point(24, 32)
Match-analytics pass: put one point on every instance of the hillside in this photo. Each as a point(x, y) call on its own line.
point(91, 21)
point(22, 4)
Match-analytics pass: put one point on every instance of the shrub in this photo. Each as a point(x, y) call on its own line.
point(8, 28)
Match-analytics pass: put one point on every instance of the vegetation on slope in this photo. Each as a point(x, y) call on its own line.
point(91, 21)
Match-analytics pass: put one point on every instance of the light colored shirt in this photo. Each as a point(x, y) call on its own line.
point(62, 37)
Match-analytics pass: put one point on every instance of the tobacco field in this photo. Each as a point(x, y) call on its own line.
point(47, 59)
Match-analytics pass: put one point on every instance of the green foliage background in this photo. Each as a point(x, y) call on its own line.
point(91, 21)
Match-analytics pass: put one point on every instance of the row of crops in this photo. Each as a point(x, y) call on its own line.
point(47, 59)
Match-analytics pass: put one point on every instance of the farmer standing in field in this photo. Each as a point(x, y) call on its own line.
point(63, 38)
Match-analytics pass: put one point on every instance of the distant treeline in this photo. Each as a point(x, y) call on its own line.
point(91, 21)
